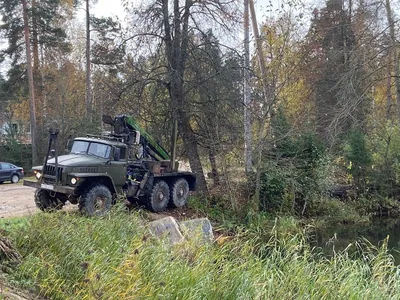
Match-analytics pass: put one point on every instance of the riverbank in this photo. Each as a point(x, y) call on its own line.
point(67, 256)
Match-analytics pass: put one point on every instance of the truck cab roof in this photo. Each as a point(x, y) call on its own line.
point(103, 140)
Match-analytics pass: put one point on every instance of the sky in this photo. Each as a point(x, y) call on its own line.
point(111, 8)
point(108, 8)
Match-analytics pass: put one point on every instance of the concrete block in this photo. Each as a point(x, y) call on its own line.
point(197, 228)
point(166, 227)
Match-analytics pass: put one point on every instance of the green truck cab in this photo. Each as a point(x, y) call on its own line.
point(98, 168)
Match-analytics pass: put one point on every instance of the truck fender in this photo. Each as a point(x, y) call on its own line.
point(90, 178)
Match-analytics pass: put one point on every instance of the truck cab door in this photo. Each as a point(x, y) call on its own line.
point(117, 166)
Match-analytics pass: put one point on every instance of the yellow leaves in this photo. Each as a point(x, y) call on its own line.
point(64, 92)
point(20, 109)
point(295, 99)
point(288, 87)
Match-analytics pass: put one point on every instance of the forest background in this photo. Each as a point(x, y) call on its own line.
point(321, 120)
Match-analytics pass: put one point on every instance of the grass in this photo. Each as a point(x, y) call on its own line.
point(31, 178)
point(68, 256)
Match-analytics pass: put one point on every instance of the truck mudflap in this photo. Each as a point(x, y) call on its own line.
point(50, 187)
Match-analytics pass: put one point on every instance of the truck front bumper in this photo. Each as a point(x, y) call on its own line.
point(50, 187)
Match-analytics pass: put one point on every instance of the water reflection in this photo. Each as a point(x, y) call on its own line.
point(338, 237)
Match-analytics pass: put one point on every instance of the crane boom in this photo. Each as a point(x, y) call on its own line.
point(128, 127)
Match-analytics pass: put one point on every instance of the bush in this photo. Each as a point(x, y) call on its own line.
point(296, 176)
point(384, 143)
point(358, 158)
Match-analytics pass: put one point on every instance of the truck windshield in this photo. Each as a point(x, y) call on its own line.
point(79, 147)
point(91, 148)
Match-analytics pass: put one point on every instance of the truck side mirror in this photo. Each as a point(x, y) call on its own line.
point(117, 154)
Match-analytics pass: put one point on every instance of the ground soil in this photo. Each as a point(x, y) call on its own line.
point(16, 200)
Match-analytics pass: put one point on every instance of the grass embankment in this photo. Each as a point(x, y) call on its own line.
point(67, 256)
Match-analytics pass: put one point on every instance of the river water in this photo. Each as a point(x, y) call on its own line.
point(337, 237)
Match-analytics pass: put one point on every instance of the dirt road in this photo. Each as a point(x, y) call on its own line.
point(16, 200)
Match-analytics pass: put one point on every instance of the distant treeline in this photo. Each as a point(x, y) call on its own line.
point(18, 154)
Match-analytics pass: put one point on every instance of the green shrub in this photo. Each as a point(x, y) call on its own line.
point(293, 178)
point(384, 143)
point(16, 153)
point(358, 158)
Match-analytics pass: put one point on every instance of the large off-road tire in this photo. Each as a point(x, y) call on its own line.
point(45, 202)
point(15, 178)
point(179, 193)
point(96, 201)
point(159, 196)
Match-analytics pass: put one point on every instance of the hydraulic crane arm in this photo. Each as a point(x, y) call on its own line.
point(127, 125)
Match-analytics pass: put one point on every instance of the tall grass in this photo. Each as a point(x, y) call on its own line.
point(72, 257)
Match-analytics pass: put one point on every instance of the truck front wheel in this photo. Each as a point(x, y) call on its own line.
point(96, 201)
point(179, 193)
point(45, 202)
point(159, 196)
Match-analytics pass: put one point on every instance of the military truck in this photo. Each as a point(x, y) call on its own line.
point(127, 161)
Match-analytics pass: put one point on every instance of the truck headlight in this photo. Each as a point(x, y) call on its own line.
point(38, 175)
point(74, 180)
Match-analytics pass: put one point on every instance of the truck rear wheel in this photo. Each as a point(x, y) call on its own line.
point(179, 193)
point(159, 196)
point(45, 202)
point(96, 201)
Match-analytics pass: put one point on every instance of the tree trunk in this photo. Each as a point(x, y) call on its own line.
point(389, 99)
point(41, 107)
point(31, 84)
point(190, 143)
point(189, 138)
point(248, 150)
point(88, 70)
point(176, 48)
point(268, 103)
point(213, 162)
point(395, 56)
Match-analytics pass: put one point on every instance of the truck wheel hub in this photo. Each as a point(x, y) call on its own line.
point(99, 202)
point(160, 197)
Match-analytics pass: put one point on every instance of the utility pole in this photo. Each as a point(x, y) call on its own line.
point(248, 152)
point(30, 80)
